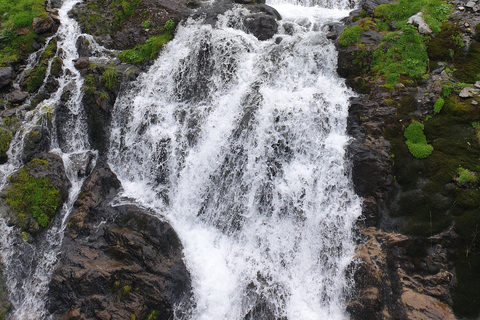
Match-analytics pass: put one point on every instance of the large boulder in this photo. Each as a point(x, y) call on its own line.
point(43, 25)
point(6, 76)
point(36, 141)
point(117, 262)
point(262, 22)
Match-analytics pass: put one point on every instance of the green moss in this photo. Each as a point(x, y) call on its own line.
point(416, 141)
point(399, 54)
point(169, 25)
point(437, 107)
point(110, 78)
point(466, 176)
point(5, 139)
point(147, 51)
point(32, 197)
point(13, 16)
point(153, 315)
point(50, 50)
point(468, 65)
point(351, 35)
point(36, 77)
point(57, 65)
point(434, 12)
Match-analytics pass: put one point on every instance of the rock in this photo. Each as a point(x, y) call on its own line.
point(17, 96)
point(262, 23)
point(35, 142)
point(371, 37)
point(418, 21)
point(131, 265)
point(43, 25)
point(470, 5)
point(6, 76)
point(370, 5)
point(423, 307)
point(467, 92)
point(82, 63)
point(461, 8)
point(474, 102)
point(477, 85)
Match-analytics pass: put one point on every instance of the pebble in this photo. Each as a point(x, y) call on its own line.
point(474, 102)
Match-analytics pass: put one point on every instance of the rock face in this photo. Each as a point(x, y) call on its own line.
point(117, 262)
point(6, 76)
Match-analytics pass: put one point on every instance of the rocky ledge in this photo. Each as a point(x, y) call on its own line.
point(418, 244)
point(117, 261)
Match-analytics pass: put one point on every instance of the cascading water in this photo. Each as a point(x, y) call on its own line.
point(28, 267)
point(240, 144)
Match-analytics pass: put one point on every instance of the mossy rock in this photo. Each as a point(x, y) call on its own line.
point(5, 139)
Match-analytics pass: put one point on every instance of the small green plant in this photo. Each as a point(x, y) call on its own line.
point(90, 80)
point(416, 140)
point(103, 96)
point(437, 107)
point(126, 290)
point(143, 52)
point(5, 140)
point(169, 25)
point(146, 24)
point(30, 196)
point(153, 315)
point(447, 90)
point(36, 77)
point(466, 176)
point(110, 78)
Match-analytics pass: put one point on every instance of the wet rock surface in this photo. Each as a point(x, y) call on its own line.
point(414, 232)
point(116, 261)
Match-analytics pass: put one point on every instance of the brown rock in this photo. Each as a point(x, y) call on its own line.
point(423, 307)
point(17, 96)
point(43, 25)
point(82, 63)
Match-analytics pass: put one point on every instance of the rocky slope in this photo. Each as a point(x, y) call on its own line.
point(418, 237)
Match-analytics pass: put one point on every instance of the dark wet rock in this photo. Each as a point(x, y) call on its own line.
point(83, 47)
point(35, 142)
point(262, 22)
point(17, 96)
point(82, 63)
point(116, 261)
point(43, 25)
point(126, 33)
point(6, 76)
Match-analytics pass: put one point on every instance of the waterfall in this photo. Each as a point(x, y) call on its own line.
point(240, 145)
point(28, 266)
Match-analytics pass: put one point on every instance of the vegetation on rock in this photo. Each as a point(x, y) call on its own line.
point(147, 51)
point(16, 33)
point(32, 197)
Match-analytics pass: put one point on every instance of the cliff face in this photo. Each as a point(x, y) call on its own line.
point(418, 237)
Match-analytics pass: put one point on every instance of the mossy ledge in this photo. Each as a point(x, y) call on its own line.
point(430, 193)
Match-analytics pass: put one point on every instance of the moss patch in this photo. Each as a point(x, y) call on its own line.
point(416, 141)
point(16, 15)
point(32, 197)
point(147, 51)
